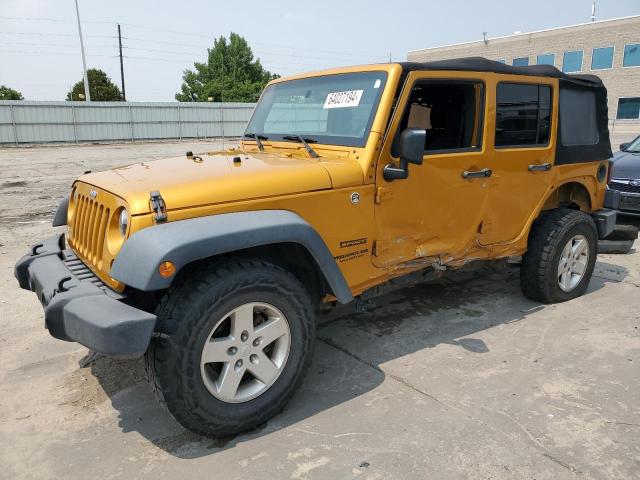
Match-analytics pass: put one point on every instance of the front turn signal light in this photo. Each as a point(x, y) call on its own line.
point(166, 269)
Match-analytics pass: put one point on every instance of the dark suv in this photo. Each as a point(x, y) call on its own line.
point(625, 177)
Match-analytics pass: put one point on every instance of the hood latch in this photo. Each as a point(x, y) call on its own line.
point(158, 206)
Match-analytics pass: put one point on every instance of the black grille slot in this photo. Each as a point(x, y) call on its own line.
point(624, 187)
point(82, 272)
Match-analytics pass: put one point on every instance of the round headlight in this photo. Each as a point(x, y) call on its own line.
point(123, 222)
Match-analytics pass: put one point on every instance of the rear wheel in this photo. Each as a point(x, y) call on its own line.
point(233, 343)
point(561, 256)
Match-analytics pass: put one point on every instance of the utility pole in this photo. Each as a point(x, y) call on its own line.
point(124, 95)
point(222, 102)
point(84, 62)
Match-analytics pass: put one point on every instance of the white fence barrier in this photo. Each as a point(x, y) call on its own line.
point(28, 122)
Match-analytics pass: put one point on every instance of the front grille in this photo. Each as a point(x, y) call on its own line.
point(89, 228)
point(624, 187)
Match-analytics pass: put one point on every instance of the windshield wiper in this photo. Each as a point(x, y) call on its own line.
point(257, 137)
point(312, 153)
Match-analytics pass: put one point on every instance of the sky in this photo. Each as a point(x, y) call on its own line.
point(40, 51)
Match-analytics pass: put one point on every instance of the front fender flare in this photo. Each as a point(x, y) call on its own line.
point(185, 241)
point(60, 217)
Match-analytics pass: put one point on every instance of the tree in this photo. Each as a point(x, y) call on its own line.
point(7, 93)
point(230, 74)
point(101, 87)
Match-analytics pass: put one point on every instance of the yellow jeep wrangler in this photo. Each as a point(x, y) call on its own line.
point(346, 183)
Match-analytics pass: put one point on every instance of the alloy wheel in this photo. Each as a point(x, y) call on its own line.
point(245, 352)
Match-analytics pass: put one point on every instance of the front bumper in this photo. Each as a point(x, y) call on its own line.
point(626, 202)
point(605, 222)
point(78, 306)
point(630, 204)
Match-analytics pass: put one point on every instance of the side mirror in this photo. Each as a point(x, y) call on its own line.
point(411, 150)
point(623, 146)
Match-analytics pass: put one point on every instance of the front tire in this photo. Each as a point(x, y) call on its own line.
point(561, 256)
point(232, 345)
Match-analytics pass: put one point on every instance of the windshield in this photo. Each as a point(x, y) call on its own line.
point(334, 109)
point(634, 146)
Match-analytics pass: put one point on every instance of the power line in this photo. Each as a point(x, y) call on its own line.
point(276, 63)
point(46, 34)
point(56, 45)
point(165, 42)
point(170, 60)
point(182, 34)
point(257, 53)
point(48, 19)
point(291, 49)
point(294, 50)
point(286, 64)
point(53, 53)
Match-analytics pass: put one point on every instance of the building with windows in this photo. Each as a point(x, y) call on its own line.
point(607, 48)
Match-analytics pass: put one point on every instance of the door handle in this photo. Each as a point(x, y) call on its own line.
point(484, 173)
point(545, 167)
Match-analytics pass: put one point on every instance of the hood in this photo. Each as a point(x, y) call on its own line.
point(184, 183)
point(626, 165)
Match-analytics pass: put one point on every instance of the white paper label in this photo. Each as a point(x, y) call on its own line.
point(347, 99)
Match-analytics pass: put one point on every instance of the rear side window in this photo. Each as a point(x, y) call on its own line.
point(523, 115)
point(578, 117)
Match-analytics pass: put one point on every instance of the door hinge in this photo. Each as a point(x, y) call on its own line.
point(158, 206)
point(382, 193)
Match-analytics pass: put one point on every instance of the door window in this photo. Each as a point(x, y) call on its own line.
point(450, 112)
point(523, 114)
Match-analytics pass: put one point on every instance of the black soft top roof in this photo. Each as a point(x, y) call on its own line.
point(583, 128)
point(480, 64)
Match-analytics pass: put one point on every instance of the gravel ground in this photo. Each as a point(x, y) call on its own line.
point(461, 379)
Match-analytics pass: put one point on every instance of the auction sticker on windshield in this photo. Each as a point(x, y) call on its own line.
point(346, 99)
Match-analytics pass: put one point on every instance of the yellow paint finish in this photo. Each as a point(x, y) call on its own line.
point(184, 183)
point(331, 214)
point(93, 229)
point(515, 192)
point(433, 216)
point(435, 211)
